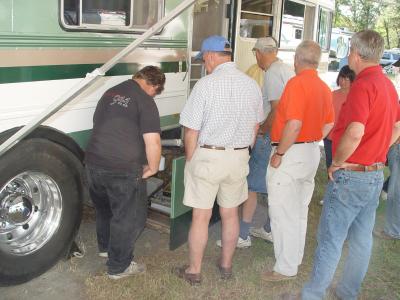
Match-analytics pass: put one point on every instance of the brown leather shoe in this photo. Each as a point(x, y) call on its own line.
point(383, 235)
point(275, 276)
point(192, 278)
point(226, 273)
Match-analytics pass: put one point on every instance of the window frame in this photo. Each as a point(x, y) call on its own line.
point(87, 27)
point(329, 28)
point(307, 6)
point(270, 15)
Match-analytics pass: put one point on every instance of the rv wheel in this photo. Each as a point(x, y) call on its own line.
point(40, 208)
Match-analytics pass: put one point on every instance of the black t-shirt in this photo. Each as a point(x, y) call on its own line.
point(124, 113)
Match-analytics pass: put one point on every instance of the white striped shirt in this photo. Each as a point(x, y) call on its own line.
point(224, 106)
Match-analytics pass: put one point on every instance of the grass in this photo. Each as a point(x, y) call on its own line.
point(158, 283)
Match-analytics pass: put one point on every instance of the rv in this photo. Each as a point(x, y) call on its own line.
point(48, 47)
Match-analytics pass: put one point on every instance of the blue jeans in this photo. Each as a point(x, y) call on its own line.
point(258, 163)
point(120, 200)
point(350, 204)
point(392, 224)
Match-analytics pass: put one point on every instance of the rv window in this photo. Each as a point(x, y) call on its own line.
point(324, 28)
point(256, 19)
point(111, 15)
point(297, 24)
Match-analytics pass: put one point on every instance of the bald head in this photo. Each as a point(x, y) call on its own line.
point(308, 55)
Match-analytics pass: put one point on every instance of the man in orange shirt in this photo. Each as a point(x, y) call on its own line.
point(303, 117)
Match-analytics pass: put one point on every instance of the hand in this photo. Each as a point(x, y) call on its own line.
point(333, 168)
point(147, 172)
point(275, 161)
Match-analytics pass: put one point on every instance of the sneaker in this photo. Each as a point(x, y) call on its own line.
point(133, 269)
point(383, 196)
point(241, 243)
point(103, 254)
point(261, 233)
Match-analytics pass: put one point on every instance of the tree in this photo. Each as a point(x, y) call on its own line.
point(380, 15)
point(389, 23)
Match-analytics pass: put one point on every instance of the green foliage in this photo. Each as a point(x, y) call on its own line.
point(380, 15)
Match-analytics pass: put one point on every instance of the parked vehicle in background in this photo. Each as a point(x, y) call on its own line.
point(389, 57)
point(339, 48)
point(340, 42)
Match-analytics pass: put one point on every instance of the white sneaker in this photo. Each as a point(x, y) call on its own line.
point(133, 269)
point(383, 195)
point(103, 254)
point(261, 233)
point(241, 243)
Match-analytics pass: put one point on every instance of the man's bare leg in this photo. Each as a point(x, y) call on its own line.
point(198, 237)
point(230, 233)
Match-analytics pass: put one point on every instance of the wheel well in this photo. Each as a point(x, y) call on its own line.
point(51, 134)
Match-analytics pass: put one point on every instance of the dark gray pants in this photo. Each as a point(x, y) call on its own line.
point(121, 210)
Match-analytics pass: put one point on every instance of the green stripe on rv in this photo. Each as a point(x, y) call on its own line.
point(81, 40)
point(82, 137)
point(57, 72)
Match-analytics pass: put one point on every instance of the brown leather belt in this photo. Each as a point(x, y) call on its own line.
point(362, 168)
point(221, 148)
point(277, 144)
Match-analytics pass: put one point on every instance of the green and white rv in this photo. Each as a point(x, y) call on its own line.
point(48, 47)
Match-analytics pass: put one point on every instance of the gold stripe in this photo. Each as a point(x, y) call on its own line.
point(47, 57)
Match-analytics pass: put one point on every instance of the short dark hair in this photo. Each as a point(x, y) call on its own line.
point(153, 76)
point(346, 72)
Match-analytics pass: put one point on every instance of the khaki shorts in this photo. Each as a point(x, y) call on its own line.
point(217, 174)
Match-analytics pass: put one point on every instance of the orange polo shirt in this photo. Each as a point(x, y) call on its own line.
point(308, 99)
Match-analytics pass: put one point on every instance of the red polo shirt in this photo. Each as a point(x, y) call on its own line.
point(372, 101)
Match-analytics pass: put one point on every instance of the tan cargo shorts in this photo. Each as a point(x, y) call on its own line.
point(217, 174)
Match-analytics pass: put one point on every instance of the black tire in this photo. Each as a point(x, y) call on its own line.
point(53, 160)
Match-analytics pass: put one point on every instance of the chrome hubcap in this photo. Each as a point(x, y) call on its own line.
point(30, 212)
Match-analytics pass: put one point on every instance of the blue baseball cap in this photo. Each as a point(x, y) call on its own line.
point(214, 43)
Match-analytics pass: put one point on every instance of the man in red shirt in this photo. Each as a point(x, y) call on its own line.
point(303, 117)
point(368, 124)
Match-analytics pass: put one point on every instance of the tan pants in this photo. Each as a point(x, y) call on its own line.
point(290, 188)
point(216, 173)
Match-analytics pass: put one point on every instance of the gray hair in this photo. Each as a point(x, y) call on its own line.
point(308, 53)
point(368, 44)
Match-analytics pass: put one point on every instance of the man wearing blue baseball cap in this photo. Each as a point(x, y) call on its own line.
point(221, 119)
point(214, 43)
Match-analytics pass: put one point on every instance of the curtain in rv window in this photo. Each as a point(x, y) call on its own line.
point(115, 15)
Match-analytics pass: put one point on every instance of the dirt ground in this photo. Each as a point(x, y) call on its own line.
point(66, 280)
